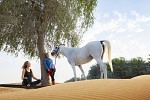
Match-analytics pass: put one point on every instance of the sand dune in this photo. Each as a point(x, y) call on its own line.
point(110, 89)
point(6, 89)
point(145, 77)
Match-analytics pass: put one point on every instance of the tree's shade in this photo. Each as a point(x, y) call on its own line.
point(72, 80)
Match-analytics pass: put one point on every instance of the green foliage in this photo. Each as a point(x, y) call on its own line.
point(119, 65)
point(148, 60)
point(94, 72)
point(123, 69)
point(58, 21)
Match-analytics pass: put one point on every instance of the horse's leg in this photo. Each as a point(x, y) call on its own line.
point(74, 71)
point(102, 74)
point(83, 74)
point(103, 68)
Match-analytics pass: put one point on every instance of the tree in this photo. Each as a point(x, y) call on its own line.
point(138, 66)
point(120, 67)
point(123, 69)
point(30, 26)
point(148, 59)
point(94, 72)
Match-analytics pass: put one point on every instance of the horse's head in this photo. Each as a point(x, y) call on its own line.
point(55, 51)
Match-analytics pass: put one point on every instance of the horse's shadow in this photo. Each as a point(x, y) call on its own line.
point(20, 86)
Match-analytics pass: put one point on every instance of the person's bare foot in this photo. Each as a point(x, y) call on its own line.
point(28, 85)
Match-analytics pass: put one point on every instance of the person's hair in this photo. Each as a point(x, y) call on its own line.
point(25, 64)
point(45, 54)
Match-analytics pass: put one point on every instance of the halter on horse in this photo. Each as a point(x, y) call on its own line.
point(79, 56)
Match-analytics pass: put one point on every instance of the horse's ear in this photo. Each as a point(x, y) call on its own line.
point(57, 45)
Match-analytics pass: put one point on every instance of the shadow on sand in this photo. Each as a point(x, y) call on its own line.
point(20, 86)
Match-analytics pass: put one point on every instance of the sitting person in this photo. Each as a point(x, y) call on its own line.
point(50, 67)
point(27, 75)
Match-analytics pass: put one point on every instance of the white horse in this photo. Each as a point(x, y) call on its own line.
point(92, 50)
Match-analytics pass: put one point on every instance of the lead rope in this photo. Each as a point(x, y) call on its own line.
point(55, 61)
point(55, 65)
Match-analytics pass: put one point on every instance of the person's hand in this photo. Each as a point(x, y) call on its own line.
point(49, 70)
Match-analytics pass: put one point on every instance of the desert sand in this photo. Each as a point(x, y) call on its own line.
point(6, 89)
point(137, 88)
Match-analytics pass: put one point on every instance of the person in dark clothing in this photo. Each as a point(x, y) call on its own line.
point(27, 75)
point(50, 67)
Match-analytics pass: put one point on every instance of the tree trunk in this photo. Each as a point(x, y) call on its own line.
point(41, 32)
point(44, 75)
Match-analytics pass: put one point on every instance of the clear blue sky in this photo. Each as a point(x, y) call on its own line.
point(125, 23)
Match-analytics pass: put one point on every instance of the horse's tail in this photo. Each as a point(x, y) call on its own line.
point(108, 45)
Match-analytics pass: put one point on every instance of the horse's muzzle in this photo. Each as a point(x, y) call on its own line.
point(53, 53)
